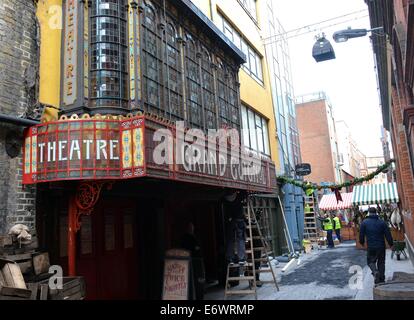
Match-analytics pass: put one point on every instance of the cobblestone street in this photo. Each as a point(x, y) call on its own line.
point(324, 275)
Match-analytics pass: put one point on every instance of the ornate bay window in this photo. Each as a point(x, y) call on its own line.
point(151, 61)
point(123, 56)
point(196, 116)
point(108, 48)
point(208, 90)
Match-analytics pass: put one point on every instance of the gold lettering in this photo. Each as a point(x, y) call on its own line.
point(70, 49)
point(70, 36)
point(71, 4)
point(70, 20)
point(69, 89)
point(69, 71)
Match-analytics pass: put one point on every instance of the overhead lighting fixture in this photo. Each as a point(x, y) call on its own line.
point(344, 35)
point(322, 49)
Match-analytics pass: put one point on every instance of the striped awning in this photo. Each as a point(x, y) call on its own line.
point(375, 194)
point(328, 202)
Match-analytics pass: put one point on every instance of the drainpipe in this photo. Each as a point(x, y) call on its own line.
point(18, 121)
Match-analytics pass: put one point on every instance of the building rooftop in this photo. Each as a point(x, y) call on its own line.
point(314, 96)
point(191, 10)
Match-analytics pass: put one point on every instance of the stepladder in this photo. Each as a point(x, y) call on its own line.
point(311, 232)
point(244, 279)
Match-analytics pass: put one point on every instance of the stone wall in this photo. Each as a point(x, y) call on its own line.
point(18, 53)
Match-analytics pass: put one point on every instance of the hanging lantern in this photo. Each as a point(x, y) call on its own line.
point(322, 49)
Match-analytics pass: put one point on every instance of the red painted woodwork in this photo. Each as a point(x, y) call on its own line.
point(107, 251)
point(67, 160)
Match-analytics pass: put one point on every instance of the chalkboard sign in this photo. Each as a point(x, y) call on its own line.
point(177, 275)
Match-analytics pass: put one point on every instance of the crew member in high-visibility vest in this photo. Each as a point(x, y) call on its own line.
point(337, 227)
point(328, 227)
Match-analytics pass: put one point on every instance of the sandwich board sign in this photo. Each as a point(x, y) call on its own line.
point(177, 275)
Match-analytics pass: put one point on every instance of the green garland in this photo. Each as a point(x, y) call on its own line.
point(306, 185)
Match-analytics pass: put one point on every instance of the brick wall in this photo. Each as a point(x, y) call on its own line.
point(17, 52)
point(404, 172)
point(405, 178)
point(315, 141)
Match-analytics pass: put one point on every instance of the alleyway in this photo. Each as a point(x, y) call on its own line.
point(337, 274)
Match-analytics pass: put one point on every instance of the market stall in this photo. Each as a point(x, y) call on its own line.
point(385, 197)
point(342, 208)
point(373, 194)
point(329, 202)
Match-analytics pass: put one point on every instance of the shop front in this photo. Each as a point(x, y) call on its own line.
point(116, 192)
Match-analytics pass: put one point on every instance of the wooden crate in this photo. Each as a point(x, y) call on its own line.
point(41, 263)
point(24, 261)
point(397, 235)
point(348, 233)
point(11, 276)
point(12, 284)
point(74, 288)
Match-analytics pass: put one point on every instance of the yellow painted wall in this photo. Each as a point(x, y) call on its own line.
point(49, 15)
point(255, 95)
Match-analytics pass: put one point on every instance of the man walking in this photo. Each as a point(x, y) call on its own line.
point(337, 227)
point(375, 230)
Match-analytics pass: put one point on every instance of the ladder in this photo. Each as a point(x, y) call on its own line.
point(247, 273)
point(311, 225)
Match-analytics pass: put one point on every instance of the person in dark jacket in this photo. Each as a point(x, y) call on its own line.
point(375, 230)
point(190, 243)
point(236, 228)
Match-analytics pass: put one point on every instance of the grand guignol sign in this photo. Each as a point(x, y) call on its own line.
point(111, 147)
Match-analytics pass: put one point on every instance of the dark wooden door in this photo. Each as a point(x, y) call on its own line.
point(108, 251)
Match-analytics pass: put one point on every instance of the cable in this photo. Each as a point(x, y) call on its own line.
point(313, 24)
point(313, 30)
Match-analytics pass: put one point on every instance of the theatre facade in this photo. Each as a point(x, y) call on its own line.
point(146, 140)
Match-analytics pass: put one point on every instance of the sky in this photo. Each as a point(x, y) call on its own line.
point(349, 80)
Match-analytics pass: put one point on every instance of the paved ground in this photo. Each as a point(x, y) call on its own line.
point(333, 274)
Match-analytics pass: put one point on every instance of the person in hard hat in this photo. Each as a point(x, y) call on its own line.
point(328, 227)
point(337, 227)
point(375, 230)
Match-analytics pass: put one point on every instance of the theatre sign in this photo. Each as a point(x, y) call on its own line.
point(116, 147)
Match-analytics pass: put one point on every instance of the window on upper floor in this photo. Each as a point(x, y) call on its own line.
point(109, 62)
point(161, 65)
point(186, 82)
point(255, 131)
point(253, 65)
point(250, 7)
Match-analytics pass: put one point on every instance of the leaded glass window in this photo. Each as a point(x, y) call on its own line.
point(173, 83)
point(151, 59)
point(208, 90)
point(195, 108)
point(233, 106)
point(109, 65)
point(223, 95)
